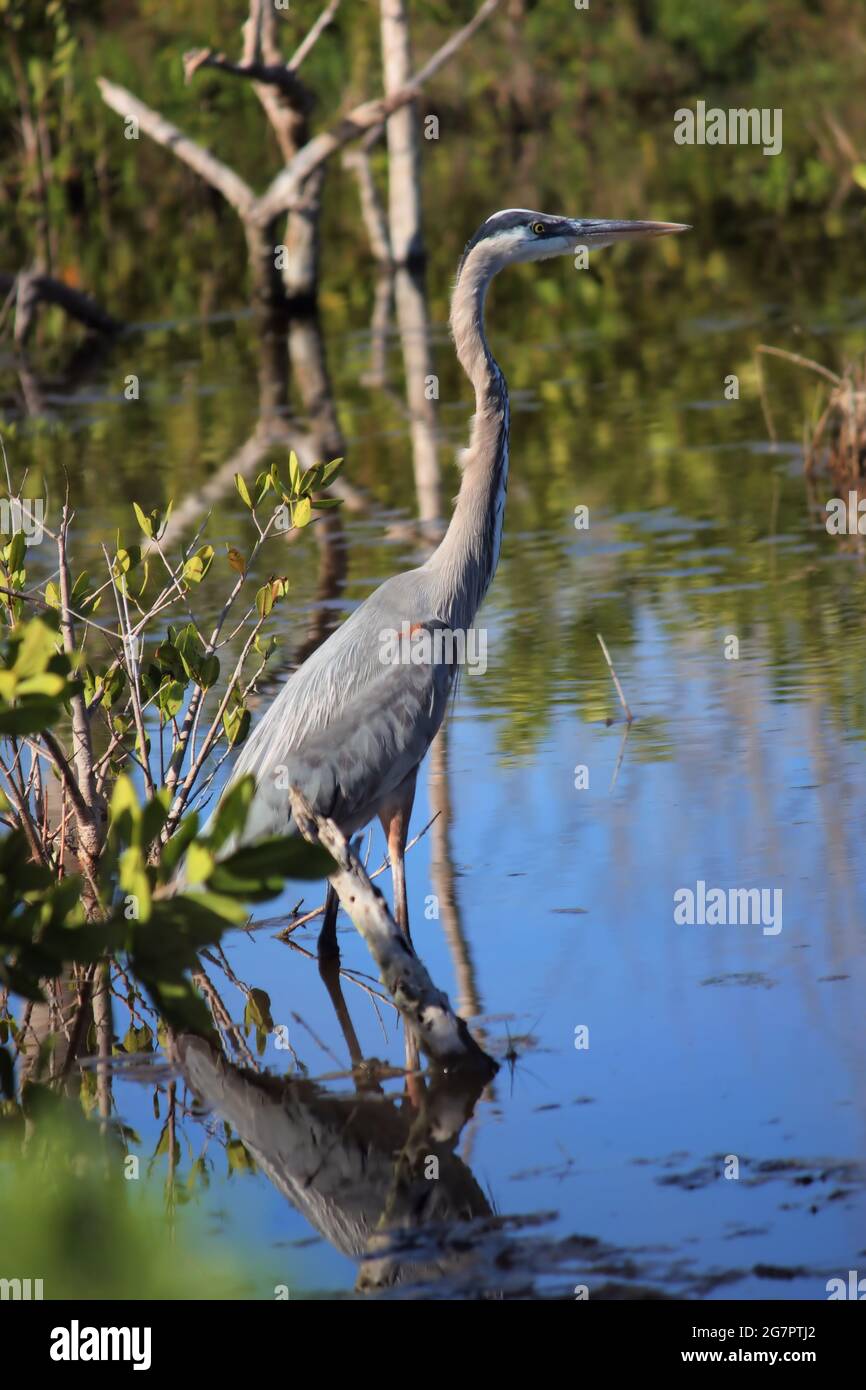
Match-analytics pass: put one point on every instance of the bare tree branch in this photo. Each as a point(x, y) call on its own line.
point(62, 764)
point(307, 44)
point(441, 1035)
point(270, 74)
point(285, 188)
point(404, 166)
point(89, 826)
point(32, 287)
point(372, 212)
point(131, 663)
point(213, 733)
point(207, 166)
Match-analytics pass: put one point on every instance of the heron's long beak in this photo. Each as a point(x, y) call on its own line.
point(602, 233)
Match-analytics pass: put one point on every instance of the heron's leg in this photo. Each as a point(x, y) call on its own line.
point(395, 815)
point(327, 947)
point(398, 878)
point(395, 818)
point(328, 951)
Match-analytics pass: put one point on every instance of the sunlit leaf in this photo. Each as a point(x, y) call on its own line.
point(243, 491)
point(197, 566)
point(231, 814)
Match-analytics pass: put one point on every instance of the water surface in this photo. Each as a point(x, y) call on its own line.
point(602, 1165)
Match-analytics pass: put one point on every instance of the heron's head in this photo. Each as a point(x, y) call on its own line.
point(518, 234)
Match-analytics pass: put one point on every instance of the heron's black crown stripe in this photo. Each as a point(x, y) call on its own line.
point(504, 221)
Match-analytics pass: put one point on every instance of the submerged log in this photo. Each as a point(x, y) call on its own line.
point(30, 288)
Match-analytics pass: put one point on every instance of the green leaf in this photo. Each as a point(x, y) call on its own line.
point(208, 671)
point(144, 521)
point(310, 481)
point(30, 718)
point(47, 684)
point(231, 814)
point(170, 698)
point(236, 723)
point(230, 910)
point(199, 864)
point(331, 469)
point(37, 647)
point(134, 879)
point(175, 848)
point(81, 587)
point(190, 649)
point(138, 1039)
point(198, 564)
point(257, 1013)
point(15, 551)
point(153, 816)
point(114, 686)
point(124, 815)
point(256, 872)
point(243, 491)
point(169, 660)
point(240, 1160)
point(124, 808)
point(126, 560)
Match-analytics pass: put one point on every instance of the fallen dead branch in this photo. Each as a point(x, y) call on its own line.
point(30, 288)
point(441, 1035)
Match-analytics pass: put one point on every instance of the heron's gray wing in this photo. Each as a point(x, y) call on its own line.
point(337, 673)
point(347, 769)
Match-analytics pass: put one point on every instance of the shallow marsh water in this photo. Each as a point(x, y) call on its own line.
point(600, 1165)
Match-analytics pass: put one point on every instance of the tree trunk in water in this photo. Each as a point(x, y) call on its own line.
point(404, 183)
point(421, 383)
point(271, 315)
point(310, 374)
point(301, 267)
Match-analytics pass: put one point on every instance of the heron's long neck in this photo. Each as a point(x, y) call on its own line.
point(465, 562)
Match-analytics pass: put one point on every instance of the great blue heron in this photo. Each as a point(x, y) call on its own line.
point(350, 729)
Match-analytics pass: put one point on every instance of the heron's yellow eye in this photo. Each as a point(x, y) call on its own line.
point(538, 228)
